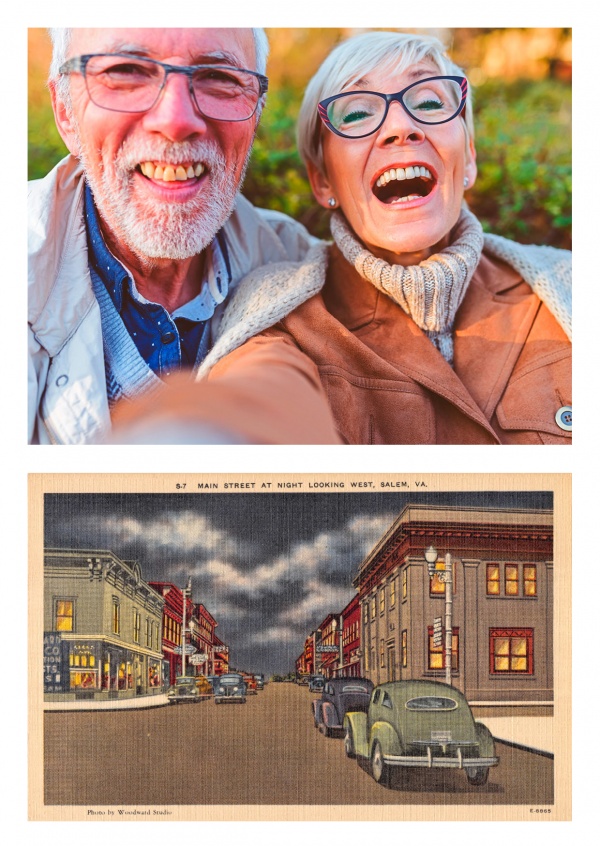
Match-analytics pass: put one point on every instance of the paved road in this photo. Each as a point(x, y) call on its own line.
point(264, 752)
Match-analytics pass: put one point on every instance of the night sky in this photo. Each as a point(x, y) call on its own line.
point(269, 567)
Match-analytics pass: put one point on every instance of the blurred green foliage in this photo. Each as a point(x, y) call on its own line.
point(523, 141)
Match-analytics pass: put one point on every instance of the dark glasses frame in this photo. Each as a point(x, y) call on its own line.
point(78, 64)
point(398, 97)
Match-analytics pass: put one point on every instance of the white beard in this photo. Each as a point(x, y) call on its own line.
point(153, 229)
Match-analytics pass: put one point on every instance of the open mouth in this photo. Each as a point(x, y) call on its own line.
point(401, 185)
point(171, 172)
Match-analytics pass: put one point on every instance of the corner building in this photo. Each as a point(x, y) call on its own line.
point(502, 567)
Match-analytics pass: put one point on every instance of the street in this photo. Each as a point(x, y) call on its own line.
point(266, 751)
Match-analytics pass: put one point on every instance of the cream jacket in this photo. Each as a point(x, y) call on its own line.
point(66, 378)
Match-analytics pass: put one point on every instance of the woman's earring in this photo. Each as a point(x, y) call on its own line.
point(332, 202)
point(466, 181)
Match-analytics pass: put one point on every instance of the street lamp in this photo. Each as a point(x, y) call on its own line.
point(445, 576)
point(187, 591)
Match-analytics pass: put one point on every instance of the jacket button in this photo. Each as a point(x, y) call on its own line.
point(168, 337)
point(564, 418)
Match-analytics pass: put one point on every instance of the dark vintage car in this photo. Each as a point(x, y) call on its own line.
point(339, 696)
point(419, 723)
point(185, 689)
point(316, 683)
point(230, 688)
point(260, 681)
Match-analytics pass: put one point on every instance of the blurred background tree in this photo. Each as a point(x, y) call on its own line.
point(521, 79)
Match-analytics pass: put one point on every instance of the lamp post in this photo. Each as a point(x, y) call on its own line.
point(445, 576)
point(187, 591)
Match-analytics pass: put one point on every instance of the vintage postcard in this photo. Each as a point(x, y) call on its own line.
point(300, 647)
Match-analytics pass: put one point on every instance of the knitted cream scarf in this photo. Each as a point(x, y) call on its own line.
point(430, 292)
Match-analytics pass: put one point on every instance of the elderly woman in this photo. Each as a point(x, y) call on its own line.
point(421, 328)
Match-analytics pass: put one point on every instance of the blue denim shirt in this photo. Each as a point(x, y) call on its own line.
point(165, 341)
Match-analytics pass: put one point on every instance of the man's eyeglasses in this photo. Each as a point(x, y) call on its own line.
point(356, 114)
point(123, 82)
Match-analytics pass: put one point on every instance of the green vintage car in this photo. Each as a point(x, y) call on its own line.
point(419, 723)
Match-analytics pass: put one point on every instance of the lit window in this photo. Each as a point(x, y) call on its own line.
point(530, 580)
point(404, 648)
point(116, 616)
point(437, 654)
point(65, 609)
point(393, 592)
point(405, 583)
point(493, 580)
point(382, 600)
point(511, 579)
point(511, 651)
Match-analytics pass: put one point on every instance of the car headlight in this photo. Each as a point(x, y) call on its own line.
point(220, 690)
point(235, 689)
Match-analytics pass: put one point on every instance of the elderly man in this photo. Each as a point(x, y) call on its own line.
point(139, 236)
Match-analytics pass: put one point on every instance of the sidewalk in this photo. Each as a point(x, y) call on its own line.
point(154, 701)
point(534, 733)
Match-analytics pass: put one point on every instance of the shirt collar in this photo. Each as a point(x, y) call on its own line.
point(115, 276)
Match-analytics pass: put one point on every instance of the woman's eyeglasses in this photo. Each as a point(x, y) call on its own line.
point(356, 114)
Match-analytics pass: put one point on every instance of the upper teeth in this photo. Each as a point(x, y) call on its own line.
point(402, 173)
point(171, 173)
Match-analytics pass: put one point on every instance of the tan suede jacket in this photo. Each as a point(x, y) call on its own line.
point(387, 384)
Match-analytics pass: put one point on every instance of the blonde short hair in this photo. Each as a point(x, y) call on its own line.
point(358, 56)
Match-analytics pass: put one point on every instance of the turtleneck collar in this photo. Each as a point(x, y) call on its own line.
point(430, 292)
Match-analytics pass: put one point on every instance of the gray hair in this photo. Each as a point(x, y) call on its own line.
point(358, 56)
point(61, 40)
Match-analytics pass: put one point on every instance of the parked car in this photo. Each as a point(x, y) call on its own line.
point(260, 681)
point(316, 683)
point(419, 723)
point(251, 686)
point(204, 687)
point(340, 695)
point(302, 680)
point(184, 690)
point(230, 688)
point(213, 680)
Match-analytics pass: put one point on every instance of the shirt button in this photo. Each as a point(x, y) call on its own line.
point(564, 418)
point(168, 337)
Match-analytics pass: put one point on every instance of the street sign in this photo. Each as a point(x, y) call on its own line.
point(437, 631)
point(327, 648)
point(189, 649)
point(198, 658)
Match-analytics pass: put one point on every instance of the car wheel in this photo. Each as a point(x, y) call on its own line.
point(349, 748)
point(380, 771)
point(477, 775)
point(325, 730)
point(243, 700)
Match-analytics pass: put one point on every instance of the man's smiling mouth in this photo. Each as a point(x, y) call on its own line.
point(401, 185)
point(172, 172)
